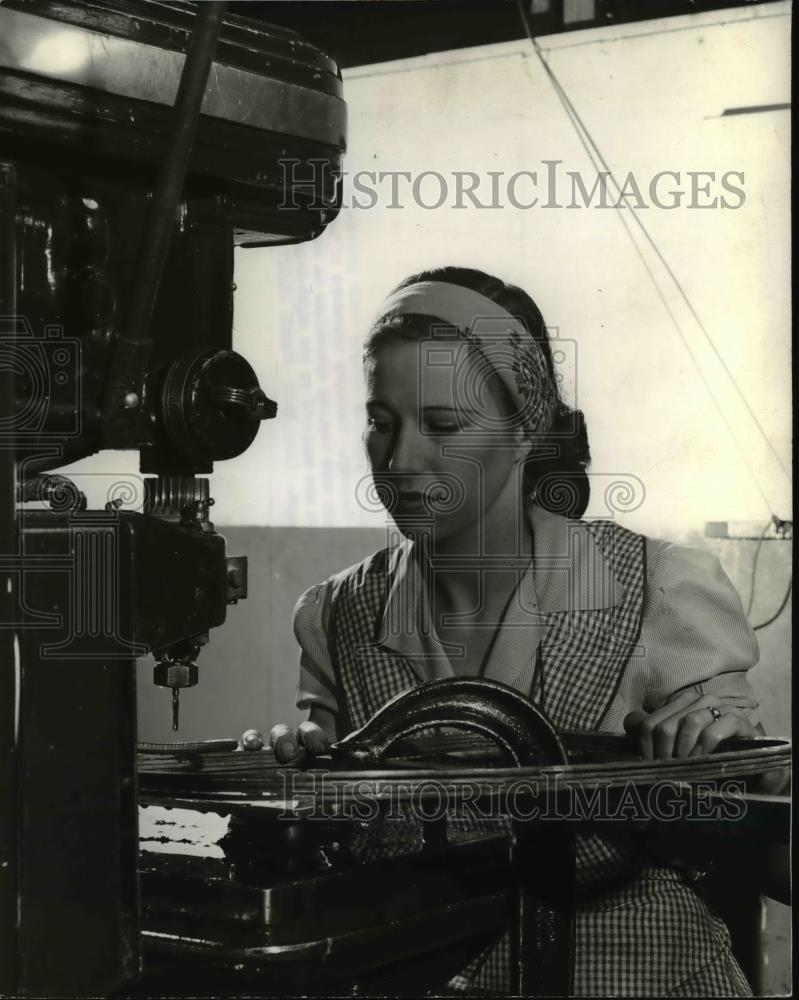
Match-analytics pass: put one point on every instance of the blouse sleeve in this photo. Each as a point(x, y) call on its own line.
point(317, 684)
point(694, 631)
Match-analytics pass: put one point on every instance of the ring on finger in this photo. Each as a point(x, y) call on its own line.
point(714, 712)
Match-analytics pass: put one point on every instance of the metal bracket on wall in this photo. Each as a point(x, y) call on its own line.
point(750, 531)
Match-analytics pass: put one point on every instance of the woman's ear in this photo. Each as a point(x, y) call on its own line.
point(521, 443)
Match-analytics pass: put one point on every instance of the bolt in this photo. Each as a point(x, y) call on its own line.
point(252, 739)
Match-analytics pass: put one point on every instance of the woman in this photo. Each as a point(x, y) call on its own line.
point(477, 458)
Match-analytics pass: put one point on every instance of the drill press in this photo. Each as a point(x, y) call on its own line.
point(141, 141)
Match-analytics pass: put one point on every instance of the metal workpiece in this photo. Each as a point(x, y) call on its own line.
point(468, 769)
point(499, 713)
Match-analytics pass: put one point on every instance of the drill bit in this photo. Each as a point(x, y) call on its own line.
point(175, 708)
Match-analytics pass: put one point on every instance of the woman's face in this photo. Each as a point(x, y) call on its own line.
point(440, 449)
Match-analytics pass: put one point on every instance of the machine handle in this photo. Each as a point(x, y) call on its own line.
point(496, 711)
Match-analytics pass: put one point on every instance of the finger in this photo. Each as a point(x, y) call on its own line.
point(633, 720)
point(729, 725)
point(276, 732)
point(312, 738)
point(287, 750)
point(663, 726)
point(632, 725)
point(664, 736)
point(691, 726)
point(284, 742)
point(652, 720)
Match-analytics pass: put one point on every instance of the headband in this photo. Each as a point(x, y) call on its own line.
point(505, 343)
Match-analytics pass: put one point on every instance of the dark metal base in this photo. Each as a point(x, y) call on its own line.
point(401, 924)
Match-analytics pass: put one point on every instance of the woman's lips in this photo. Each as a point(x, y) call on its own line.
point(422, 500)
point(410, 498)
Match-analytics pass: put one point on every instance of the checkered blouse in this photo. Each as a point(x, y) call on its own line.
point(613, 636)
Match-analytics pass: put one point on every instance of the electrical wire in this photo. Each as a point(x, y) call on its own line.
point(753, 580)
point(594, 155)
point(779, 611)
point(753, 572)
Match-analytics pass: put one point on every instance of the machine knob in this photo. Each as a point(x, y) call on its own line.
point(212, 406)
point(252, 401)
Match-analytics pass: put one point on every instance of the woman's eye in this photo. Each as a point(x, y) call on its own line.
point(442, 426)
point(379, 424)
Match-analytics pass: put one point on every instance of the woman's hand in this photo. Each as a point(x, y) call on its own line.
point(688, 725)
point(684, 727)
point(290, 746)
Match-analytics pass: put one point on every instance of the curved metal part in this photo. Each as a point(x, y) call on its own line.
point(496, 711)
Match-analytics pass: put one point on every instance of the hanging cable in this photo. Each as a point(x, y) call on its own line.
point(780, 609)
point(753, 572)
point(593, 151)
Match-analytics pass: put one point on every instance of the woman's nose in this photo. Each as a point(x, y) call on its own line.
point(407, 453)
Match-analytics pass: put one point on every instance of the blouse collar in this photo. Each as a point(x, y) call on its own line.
point(567, 573)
